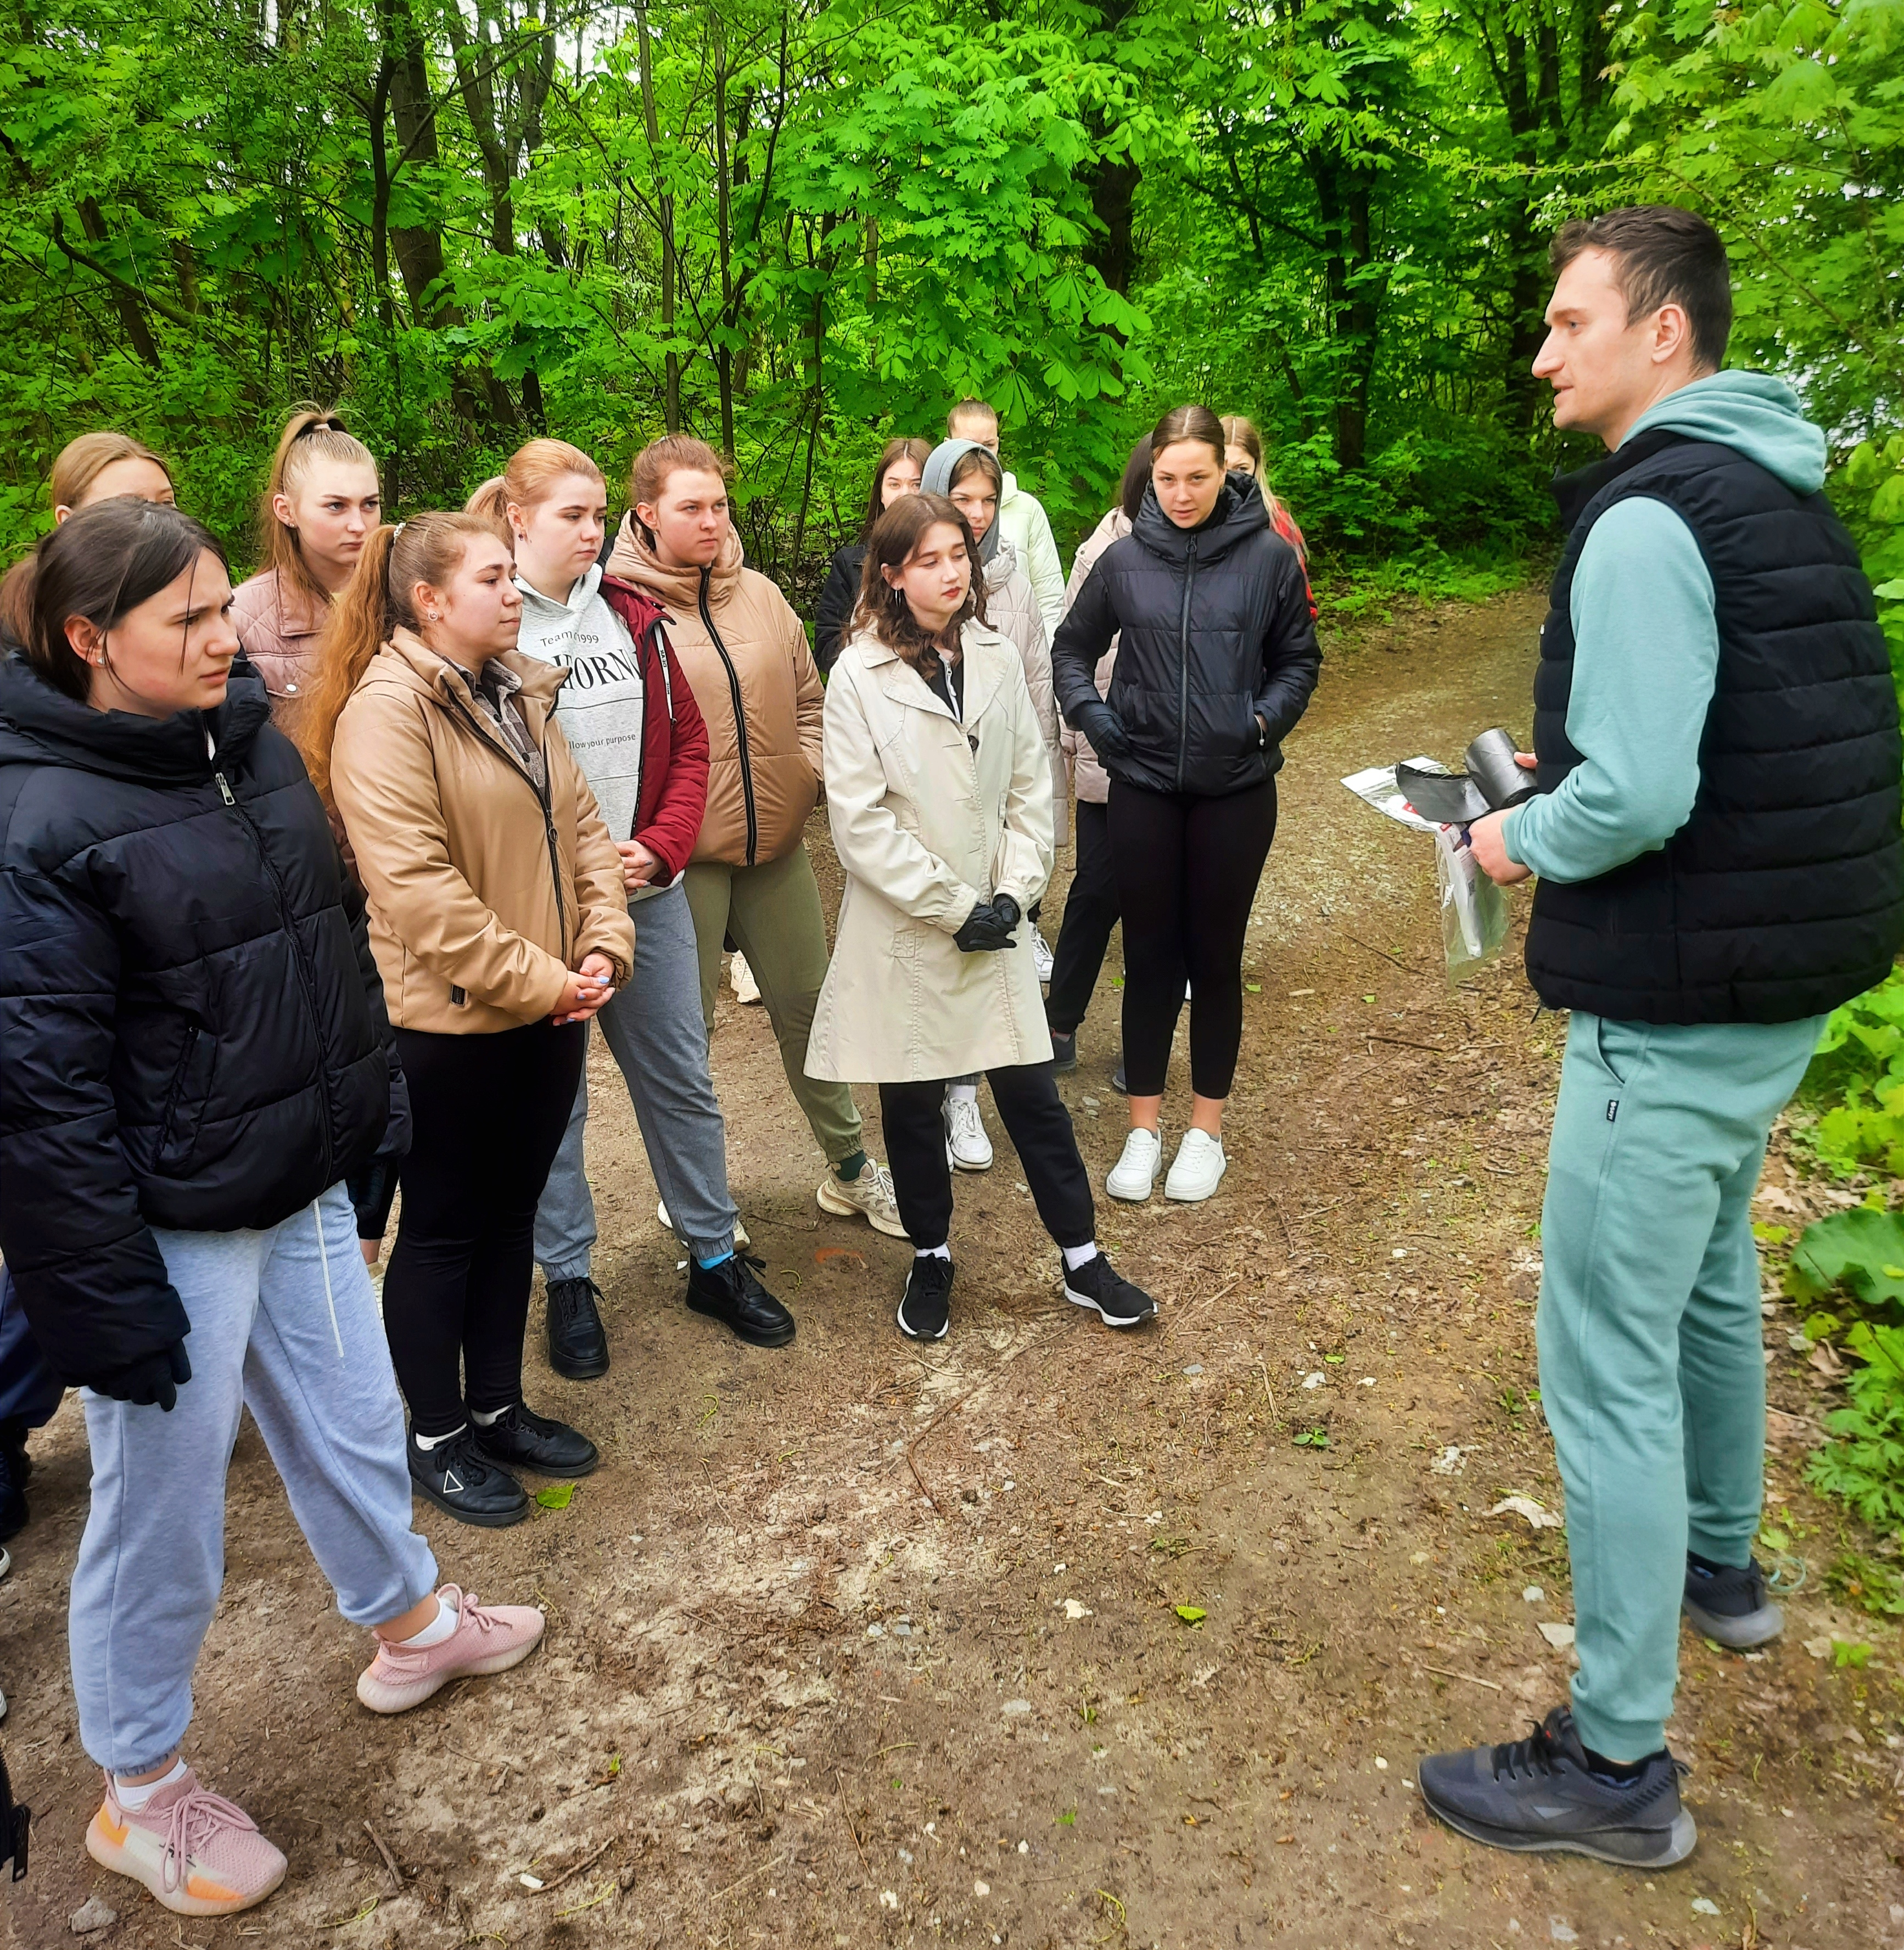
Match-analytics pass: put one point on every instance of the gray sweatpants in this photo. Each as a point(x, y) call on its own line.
point(656, 1035)
point(313, 1368)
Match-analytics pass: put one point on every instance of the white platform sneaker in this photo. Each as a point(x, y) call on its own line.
point(1135, 1172)
point(1198, 1170)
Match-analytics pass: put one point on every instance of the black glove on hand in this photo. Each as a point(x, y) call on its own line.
point(151, 1381)
point(988, 927)
point(1104, 727)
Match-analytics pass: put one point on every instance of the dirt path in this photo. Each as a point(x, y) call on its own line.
point(855, 1644)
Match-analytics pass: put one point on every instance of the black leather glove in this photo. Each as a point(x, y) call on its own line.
point(151, 1381)
point(988, 927)
point(1104, 727)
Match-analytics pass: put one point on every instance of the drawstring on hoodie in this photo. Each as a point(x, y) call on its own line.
point(324, 1260)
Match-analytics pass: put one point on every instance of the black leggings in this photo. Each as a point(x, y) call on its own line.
point(1039, 1127)
point(487, 1112)
point(1090, 914)
point(1187, 871)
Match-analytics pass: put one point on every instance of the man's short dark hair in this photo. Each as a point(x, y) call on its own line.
point(1662, 255)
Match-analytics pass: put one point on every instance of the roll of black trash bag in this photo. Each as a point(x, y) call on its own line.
point(1491, 783)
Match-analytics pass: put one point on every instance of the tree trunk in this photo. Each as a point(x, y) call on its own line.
point(670, 393)
point(132, 315)
point(723, 227)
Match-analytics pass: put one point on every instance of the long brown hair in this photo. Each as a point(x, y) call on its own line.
point(377, 601)
point(311, 434)
point(917, 451)
point(1197, 423)
point(882, 610)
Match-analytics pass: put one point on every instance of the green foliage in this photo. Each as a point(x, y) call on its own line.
point(1856, 1260)
point(1863, 1580)
point(1857, 1074)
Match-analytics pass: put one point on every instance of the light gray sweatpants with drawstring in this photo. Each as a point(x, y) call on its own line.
point(306, 1355)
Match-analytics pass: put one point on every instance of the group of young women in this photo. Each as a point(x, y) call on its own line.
point(287, 927)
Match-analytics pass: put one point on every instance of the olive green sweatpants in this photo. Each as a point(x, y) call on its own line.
point(773, 912)
point(1653, 1372)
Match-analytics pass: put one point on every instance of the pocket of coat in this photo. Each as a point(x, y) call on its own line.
point(185, 1103)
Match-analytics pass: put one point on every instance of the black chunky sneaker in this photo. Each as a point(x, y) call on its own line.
point(1542, 1795)
point(521, 1439)
point(731, 1294)
point(456, 1477)
point(925, 1312)
point(1729, 1605)
point(1063, 1052)
point(1099, 1284)
point(577, 1342)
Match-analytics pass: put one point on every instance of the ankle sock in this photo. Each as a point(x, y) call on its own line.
point(1620, 1772)
point(932, 1252)
point(963, 1093)
point(487, 1418)
point(134, 1799)
point(427, 1442)
point(434, 1633)
point(1078, 1256)
point(848, 1169)
point(719, 1259)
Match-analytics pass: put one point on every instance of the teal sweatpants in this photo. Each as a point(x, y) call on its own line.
point(1653, 1372)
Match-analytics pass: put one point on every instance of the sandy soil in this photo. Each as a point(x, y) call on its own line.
point(855, 1644)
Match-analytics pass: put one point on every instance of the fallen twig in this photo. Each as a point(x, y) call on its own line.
point(1441, 1673)
point(1402, 1042)
point(389, 1860)
point(761, 1869)
point(846, 1815)
point(912, 1447)
point(1384, 955)
point(587, 1862)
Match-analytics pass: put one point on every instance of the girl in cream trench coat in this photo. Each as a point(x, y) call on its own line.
point(929, 816)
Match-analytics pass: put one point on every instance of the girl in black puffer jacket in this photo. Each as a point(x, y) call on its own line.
point(193, 1054)
point(1216, 659)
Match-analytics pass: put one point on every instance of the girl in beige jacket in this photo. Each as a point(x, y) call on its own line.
point(939, 790)
point(500, 926)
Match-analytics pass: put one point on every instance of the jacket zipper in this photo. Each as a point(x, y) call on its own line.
point(173, 1096)
point(307, 981)
point(1183, 646)
point(542, 799)
point(739, 721)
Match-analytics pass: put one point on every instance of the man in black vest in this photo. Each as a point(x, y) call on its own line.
point(1717, 839)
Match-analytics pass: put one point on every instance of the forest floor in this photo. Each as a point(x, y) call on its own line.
point(1047, 1636)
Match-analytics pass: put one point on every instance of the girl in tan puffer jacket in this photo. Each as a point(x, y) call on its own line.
point(745, 654)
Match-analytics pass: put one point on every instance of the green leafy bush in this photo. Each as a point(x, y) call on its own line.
point(1857, 1074)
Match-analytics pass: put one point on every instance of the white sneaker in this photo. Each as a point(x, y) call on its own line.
point(1041, 957)
point(1132, 1176)
point(745, 989)
point(741, 1241)
point(869, 1196)
point(1198, 1170)
point(968, 1148)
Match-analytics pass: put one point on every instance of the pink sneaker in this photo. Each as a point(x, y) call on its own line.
point(199, 1854)
point(488, 1638)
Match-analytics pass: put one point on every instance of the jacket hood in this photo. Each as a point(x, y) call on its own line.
point(40, 725)
point(1753, 412)
point(936, 478)
point(1239, 513)
point(579, 600)
point(1000, 566)
point(634, 561)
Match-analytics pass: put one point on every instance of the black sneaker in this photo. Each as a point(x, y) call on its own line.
point(521, 1439)
point(1729, 1605)
point(578, 1344)
point(1099, 1284)
point(14, 1470)
point(456, 1477)
point(1063, 1052)
point(925, 1312)
point(1541, 1795)
point(729, 1293)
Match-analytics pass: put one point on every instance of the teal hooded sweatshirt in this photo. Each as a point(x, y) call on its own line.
point(1646, 638)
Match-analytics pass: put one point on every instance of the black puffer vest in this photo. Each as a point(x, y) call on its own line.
point(1783, 894)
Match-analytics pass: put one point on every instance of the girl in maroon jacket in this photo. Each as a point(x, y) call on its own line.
point(631, 719)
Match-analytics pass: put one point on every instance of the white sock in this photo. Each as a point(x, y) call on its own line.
point(1078, 1256)
point(434, 1633)
point(963, 1093)
point(932, 1252)
point(133, 1798)
point(427, 1442)
point(487, 1419)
